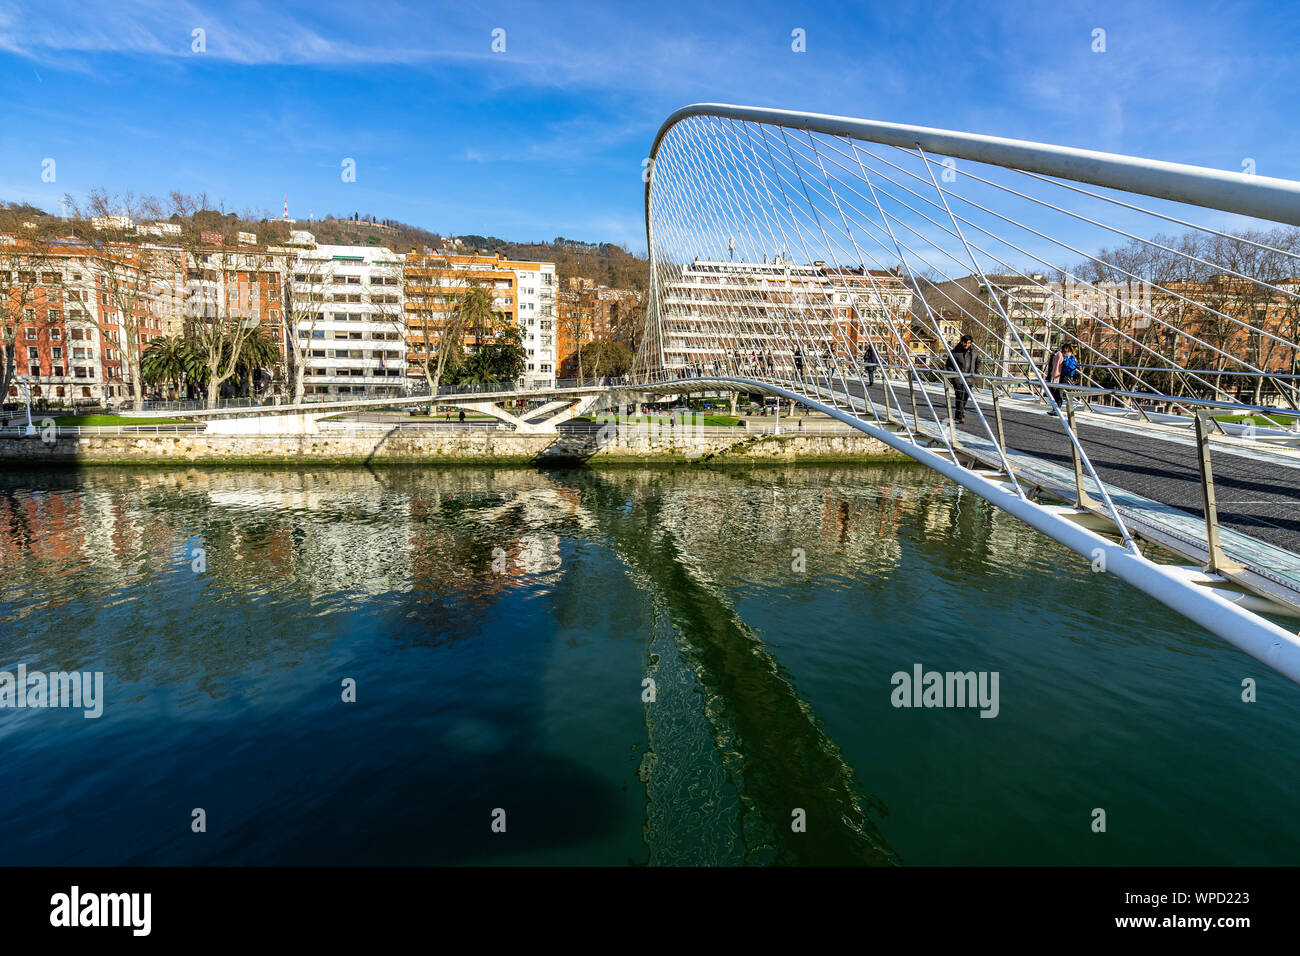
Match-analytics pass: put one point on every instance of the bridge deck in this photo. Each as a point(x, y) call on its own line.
point(1153, 476)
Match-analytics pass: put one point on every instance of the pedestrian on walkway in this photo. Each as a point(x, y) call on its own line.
point(1069, 369)
point(966, 363)
point(1052, 372)
point(869, 363)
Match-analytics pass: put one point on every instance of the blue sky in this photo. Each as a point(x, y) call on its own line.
point(547, 138)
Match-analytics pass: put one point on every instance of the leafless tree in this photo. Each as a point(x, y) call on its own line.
point(21, 265)
point(306, 290)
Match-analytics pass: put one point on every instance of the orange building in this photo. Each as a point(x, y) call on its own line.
point(435, 282)
point(587, 314)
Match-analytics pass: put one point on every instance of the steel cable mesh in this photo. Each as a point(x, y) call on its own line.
point(846, 271)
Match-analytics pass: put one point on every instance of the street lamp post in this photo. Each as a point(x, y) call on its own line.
point(27, 391)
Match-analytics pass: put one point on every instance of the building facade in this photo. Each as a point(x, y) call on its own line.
point(522, 293)
point(66, 320)
point(537, 316)
point(746, 317)
point(588, 313)
point(347, 310)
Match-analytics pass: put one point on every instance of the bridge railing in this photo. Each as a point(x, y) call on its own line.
point(419, 393)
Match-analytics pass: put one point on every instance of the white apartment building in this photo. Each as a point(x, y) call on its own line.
point(347, 305)
point(747, 316)
point(535, 282)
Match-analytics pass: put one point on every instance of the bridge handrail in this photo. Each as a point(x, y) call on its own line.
point(1097, 390)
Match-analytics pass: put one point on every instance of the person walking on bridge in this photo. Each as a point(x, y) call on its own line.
point(798, 361)
point(1069, 369)
point(966, 362)
point(869, 363)
point(1054, 373)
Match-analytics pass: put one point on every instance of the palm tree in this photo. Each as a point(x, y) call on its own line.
point(476, 370)
point(475, 315)
point(257, 352)
point(170, 359)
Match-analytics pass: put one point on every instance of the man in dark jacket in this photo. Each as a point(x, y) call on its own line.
point(869, 363)
point(967, 361)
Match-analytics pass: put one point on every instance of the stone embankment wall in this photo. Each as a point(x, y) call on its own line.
point(435, 445)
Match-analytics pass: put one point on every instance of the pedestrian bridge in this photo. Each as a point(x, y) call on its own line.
point(1129, 386)
point(1131, 332)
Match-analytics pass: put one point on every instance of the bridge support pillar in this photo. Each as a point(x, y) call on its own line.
point(552, 414)
point(1082, 499)
point(1217, 561)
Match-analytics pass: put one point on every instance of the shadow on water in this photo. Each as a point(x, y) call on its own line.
point(777, 756)
point(228, 680)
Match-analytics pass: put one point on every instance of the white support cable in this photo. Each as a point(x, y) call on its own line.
point(1172, 369)
point(1074, 439)
point(938, 423)
point(1155, 286)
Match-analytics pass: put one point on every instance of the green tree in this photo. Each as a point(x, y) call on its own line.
point(609, 358)
point(501, 359)
point(170, 360)
point(257, 352)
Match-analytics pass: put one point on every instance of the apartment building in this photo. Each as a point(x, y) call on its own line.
point(65, 316)
point(872, 307)
point(225, 284)
point(537, 316)
point(523, 293)
point(748, 316)
point(588, 313)
point(347, 310)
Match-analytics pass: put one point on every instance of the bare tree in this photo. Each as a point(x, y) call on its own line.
point(306, 290)
point(385, 301)
point(21, 264)
point(221, 316)
point(435, 326)
point(123, 281)
point(578, 323)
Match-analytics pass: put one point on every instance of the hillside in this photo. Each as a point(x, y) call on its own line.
point(604, 262)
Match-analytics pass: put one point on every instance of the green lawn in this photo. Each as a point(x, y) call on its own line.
point(91, 420)
point(1260, 419)
point(725, 421)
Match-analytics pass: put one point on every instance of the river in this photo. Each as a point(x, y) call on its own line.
point(622, 666)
